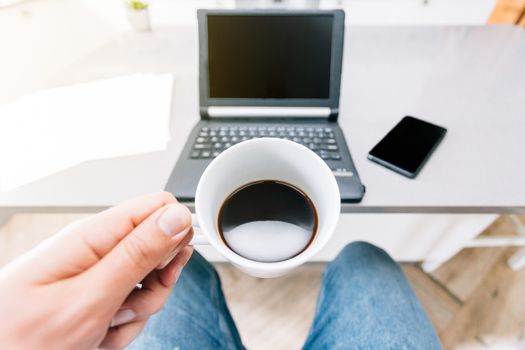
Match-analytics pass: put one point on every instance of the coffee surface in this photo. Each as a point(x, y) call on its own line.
point(268, 221)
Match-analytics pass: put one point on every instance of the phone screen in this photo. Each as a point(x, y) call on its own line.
point(408, 145)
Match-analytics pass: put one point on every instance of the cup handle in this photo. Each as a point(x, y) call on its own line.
point(198, 237)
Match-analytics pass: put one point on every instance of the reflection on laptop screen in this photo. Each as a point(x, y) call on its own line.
point(280, 57)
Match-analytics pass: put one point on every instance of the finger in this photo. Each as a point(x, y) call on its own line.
point(109, 227)
point(166, 261)
point(170, 274)
point(156, 288)
point(141, 251)
point(83, 243)
point(120, 337)
point(186, 241)
point(144, 302)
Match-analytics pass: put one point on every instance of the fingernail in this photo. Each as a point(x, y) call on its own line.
point(177, 273)
point(168, 260)
point(175, 219)
point(171, 280)
point(123, 316)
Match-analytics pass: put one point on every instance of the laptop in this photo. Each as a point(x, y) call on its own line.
point(268, 73)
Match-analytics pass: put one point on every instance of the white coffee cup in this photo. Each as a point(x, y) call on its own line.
point(265, 159)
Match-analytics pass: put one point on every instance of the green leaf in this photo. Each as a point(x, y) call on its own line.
point(138, 5)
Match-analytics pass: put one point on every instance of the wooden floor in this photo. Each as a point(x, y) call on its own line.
point(475, 301)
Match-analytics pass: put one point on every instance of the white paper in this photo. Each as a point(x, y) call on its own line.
point(52, 130)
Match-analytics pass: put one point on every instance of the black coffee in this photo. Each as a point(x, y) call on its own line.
point(268, 221)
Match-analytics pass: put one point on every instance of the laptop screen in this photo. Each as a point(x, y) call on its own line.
point(270, 63)
point(269, 57)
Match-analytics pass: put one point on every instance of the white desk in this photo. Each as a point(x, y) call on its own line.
point(470, 80)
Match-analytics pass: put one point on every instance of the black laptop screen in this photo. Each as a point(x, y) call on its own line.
point(279, 57)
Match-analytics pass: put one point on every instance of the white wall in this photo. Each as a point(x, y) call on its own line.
point(39, 38)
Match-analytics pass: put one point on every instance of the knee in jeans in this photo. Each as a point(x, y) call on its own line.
point(198, 266)
point(356, 250)
point(358, 259)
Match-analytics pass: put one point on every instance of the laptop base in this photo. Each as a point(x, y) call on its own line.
point(190, 165)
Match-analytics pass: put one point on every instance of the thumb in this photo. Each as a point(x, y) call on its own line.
point(143, 249)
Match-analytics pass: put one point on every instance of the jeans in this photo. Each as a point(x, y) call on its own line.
point(365, 302)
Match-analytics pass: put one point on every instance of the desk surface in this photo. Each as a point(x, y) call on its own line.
point(470, 80)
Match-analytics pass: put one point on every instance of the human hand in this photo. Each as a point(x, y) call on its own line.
point(77, 289)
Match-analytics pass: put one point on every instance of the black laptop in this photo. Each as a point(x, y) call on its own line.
point(268, 73)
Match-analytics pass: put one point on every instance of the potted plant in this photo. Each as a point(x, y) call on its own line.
point(138, 15)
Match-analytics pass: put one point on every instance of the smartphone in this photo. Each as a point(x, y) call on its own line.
point(407, 147)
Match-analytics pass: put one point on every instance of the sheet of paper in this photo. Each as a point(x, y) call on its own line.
point(55, 129)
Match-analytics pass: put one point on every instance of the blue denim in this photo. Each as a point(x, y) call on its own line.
point(365, 302)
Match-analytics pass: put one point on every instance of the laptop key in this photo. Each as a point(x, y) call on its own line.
point(329, 147)
point(335, 156)
point(195, 154)
point(342, 172)
point(205, 154)
point(215, 154)
point(217, 145)
point(202, 146)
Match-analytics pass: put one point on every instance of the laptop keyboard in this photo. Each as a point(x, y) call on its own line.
point(211, 141)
